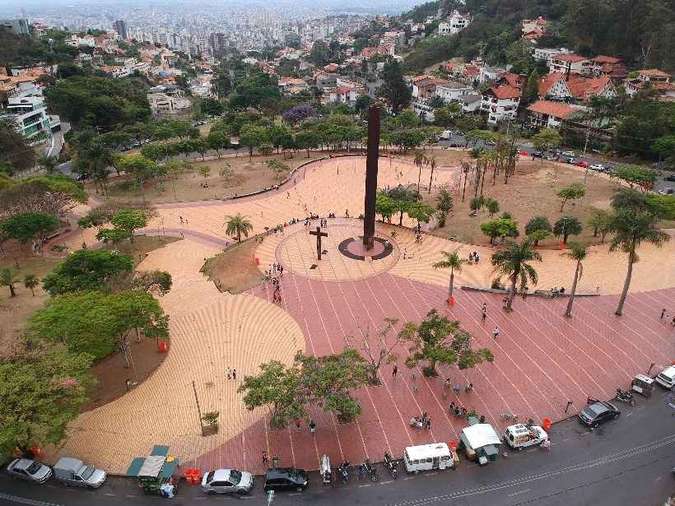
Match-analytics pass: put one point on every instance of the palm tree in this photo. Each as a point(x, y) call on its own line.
point(237, 225)
point(453, 262)
point(630, 227)
point(577, 253)
point(419, 160)
point(512, 261)
point(31, 281)
point(432, 164)
point(8, 278)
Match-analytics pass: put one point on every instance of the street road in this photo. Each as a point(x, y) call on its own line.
point(625, 462)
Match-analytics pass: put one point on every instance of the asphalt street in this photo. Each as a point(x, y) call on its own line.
point(625, 462)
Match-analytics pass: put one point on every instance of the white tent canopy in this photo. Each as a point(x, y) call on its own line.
point(480, 435)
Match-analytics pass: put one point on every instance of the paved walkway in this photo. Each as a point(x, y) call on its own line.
point(542, 360)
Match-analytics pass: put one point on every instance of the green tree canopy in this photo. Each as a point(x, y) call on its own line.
point(635, 175)
point(571, 192)
point(566, 226)
point(41, 390)
point(87, 270)
point(438, 340)
point(98, 323)
point(502, 227)
point(513, 261)
point(394, 90)
point(538, 229)
point(26, 227)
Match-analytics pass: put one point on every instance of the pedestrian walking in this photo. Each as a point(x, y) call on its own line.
point(265, 459)
point(394, 371)
point(297, 423)
point(229, 373)
point(457, 388)
point(495, 333)
point(312, 426)
point(663, 313)
point(181, 219)
point(234, 374)
point(483, 311)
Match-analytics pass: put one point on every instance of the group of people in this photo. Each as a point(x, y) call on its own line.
point(421, 422)
point(474, 257)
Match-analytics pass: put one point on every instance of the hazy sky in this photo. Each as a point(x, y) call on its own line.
point(35, 8)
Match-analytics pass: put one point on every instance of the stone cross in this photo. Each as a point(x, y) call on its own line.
point(319, 234)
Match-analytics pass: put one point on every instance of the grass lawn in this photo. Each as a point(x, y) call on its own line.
point(247, 175)
point(234, 270)
point(531, 192)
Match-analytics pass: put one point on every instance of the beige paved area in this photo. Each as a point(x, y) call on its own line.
point(297, 252)
point(211, 331)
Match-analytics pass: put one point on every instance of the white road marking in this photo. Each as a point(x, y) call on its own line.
point(520, 492)
point(386, 482)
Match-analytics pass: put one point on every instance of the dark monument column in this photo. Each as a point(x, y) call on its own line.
point(371, 175)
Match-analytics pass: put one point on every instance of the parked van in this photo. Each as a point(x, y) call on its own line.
point(521, 436)
point(428, 457)
point(75, 472)
point(666, 378)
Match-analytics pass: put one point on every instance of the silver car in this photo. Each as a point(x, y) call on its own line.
point(227, 481)
point(30, 470)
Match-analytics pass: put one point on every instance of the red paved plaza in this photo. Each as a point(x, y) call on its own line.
point(542, 361)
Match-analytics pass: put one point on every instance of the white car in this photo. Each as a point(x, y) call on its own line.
point(30, 470)
point(598, 166)
point(666, 378)
point(227, 481)
point(521, 436)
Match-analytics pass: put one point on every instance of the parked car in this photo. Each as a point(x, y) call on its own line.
point(569, 159)
point(582, 163)
point(569, 154)
point(285, 478)
point(538, 154)
point(598, 166)
point(670, 178)
point(598, 412)
point(75, 472)
point(521, 436)
point(666, 378)
point(227, 481)
point(30, 470)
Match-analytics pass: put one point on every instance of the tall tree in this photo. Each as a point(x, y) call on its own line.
point(9, 278)
point(513, 261)
point(238, 225)
point(41, 390)
point(452, 261)
point(577, 252)
point(566, 226)
point(438, 340)
point(574, 191)
point(26, 227)
point(87, 270)
point(394, 89)
point(538, 229)
point(631, 227)
point(31, 282)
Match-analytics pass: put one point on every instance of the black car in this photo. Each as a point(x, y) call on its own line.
point(598, 412)
point(286, 478)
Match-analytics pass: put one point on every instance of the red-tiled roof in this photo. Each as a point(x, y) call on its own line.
point(558, 110)
point(653, 73)
point(505, 92)
point(602, 59)
point(547, 82)
point(584, 88)
point(570, 57)
point(513, 79)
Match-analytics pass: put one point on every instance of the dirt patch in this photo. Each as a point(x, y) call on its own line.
point(444, 157)
point(14, 311)
point(143, 245)
point(234, 270)
point(531, 192)
point(247, 175)
point(112, 374)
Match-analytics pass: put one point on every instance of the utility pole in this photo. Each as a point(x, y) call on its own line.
point(588, 129)
point(199, 409)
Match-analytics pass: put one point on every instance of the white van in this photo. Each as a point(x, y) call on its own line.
point(521, 436)
point(428, 457)
point(666, 378)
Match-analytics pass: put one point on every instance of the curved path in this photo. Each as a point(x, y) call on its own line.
point(542, 360)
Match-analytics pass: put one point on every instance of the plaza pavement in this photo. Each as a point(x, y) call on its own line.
point(542, 360)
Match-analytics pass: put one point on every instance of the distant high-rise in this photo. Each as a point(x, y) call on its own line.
point(121, 28)
point(18, 26)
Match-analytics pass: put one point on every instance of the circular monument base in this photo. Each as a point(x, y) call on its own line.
point(355, 249)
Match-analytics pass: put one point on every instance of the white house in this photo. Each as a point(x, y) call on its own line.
point(452, 91)
point(500, 103)
point(545, 54)
point(547, 114)
point(471, 103)
point(571, 63)
point(28, 110)
point(455, 23)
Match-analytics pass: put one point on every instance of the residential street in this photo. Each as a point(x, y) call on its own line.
point(626, 462)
